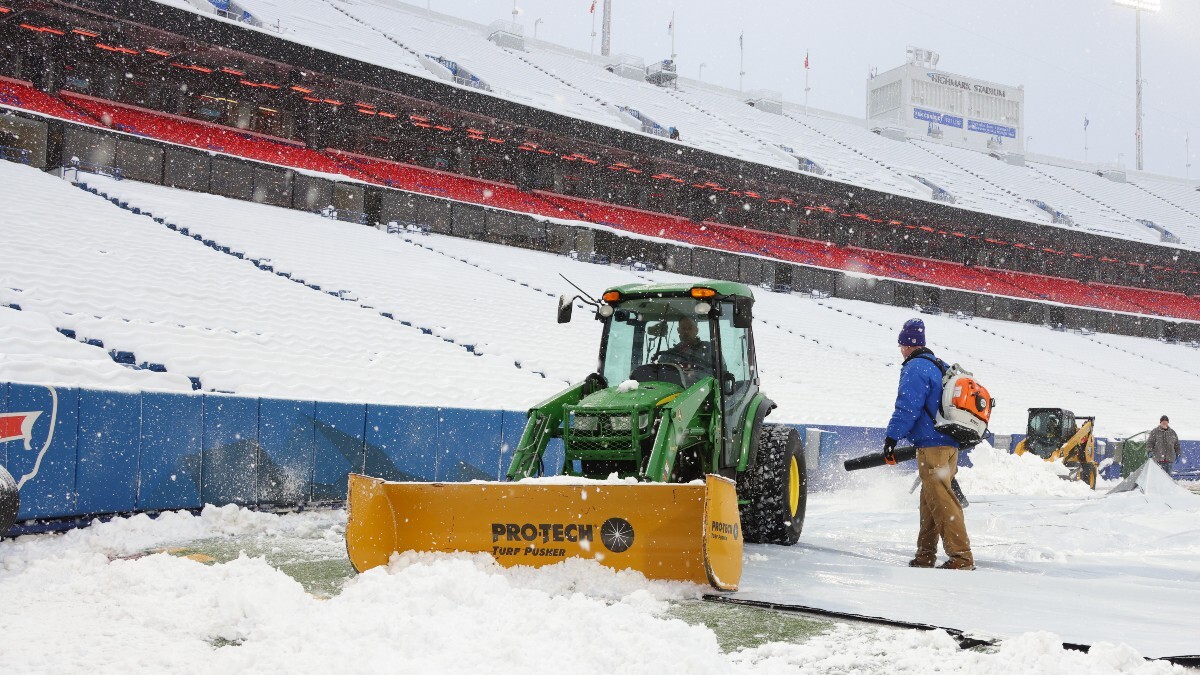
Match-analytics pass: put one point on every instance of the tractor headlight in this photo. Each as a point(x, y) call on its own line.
point(644, 421)
point(584, 422)
point(621, 423)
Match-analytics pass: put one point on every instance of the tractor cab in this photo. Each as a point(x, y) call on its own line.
point(1048, 429)
point(660, 343)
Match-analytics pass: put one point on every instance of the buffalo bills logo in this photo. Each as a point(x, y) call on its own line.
point(18, 426)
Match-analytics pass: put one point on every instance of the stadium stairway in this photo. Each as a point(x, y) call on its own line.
point(351, 296)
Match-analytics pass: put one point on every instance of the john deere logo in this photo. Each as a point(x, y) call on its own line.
point(616, 534)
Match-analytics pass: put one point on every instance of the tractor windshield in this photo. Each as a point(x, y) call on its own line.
point(661, 339)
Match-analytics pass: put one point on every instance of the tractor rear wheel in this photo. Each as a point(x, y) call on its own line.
point(775, 487)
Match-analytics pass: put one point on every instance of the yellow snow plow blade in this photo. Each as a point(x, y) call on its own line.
point(685, 532)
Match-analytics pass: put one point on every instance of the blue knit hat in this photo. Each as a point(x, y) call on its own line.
point(913, 333)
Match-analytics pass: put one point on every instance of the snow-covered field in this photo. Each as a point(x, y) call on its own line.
point(1056, 562)
point(232, 590)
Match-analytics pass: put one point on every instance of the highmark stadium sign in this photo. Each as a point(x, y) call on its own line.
point(957, 122)
point(948, 81)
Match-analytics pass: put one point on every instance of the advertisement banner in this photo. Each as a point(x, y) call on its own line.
point(991, 129)
point(937, 118)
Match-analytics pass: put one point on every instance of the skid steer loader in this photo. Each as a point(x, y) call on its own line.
point(668, 466)
point(1056, 434)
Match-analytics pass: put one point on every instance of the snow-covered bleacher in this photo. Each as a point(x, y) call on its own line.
point(1127, 199)
point(84, 264)
point(1027, 183)
point(398, 35)
point(164, 298)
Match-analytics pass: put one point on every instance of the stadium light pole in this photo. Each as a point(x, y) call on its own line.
point(700, 75)
point(535, 25)
point(1138, 6)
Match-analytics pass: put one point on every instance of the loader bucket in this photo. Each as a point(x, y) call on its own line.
point(688, 532)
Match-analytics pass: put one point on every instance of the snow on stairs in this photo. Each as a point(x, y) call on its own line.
point(266, 266)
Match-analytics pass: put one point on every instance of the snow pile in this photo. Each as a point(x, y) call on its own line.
point(996, 472)
point(422, 613)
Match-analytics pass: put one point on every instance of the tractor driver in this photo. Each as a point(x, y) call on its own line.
point(692, 353)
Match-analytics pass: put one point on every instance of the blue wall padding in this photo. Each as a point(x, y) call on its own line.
point(512, 426)
point(116, 452)
point(107, 472)
point(172, 440)
point(469, 444)
point(401, 442)
point(554, 457)
point(230, 473)
point(51, 492)
point(3, 409)
point(340, 432)
point(1191, 456)
point(286, 443)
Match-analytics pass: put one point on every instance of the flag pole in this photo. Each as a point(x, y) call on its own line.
point(672, 36)
point(806, 84)
point(1085, 143)
point(592, 48)
point(741, 59)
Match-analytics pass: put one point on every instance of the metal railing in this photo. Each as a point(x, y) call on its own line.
point(345, 215)
point(14, 154)
point(77, 165)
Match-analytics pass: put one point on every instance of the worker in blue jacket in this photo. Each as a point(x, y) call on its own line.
point(917, 401)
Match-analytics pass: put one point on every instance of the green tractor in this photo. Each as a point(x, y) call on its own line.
point(675, 398)
point(668, 465)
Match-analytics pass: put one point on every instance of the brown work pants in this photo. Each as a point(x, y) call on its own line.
point(941, 514)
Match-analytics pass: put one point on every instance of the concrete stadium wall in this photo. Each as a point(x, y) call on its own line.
point(93, 453)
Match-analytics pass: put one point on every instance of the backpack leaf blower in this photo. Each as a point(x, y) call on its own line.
point(901, 455)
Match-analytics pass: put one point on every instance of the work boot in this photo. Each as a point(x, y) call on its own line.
point(918, 562)
point(954, 564)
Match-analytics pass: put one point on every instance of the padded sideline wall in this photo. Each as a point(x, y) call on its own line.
point(93, 452)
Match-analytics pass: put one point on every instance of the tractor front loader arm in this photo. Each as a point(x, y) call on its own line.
point(681, 423)
point(545, 422)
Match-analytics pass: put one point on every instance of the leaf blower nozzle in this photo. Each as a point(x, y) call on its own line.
point(878, 459)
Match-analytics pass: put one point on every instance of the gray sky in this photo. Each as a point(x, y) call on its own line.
point(1075, 57)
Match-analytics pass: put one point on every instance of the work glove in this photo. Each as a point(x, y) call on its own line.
point(889, 450)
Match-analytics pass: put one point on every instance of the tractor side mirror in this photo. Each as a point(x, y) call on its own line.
point(728, 382)
point(565, 307)
point(743, 314)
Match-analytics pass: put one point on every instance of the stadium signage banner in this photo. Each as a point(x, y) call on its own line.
point(948, 81)
point(991, 129)
point(937, 118)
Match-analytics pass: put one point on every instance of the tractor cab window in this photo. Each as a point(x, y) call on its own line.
point(1048, 429)
point(658, 339)
point(735, 346)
